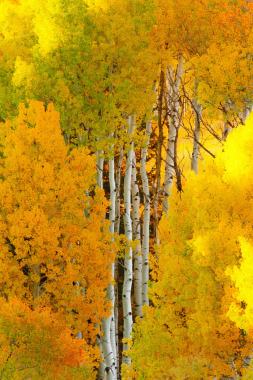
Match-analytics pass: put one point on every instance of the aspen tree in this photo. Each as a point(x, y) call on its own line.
point(118, 190)
point(116, 268)
point(137, 259)
point(107, 343)
point(128, 262)
point(146, 217)
point(196, 136)
point(112, 218)
point(160, 138)
point(100, 168)
point(173, 107)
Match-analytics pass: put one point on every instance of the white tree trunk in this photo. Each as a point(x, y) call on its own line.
point(195, 151)
point(128, 265)
point(108, 325)
point(146, 218)
point(100, 168)
point(100, 172)
point(137, 239)
point(109, 361)
point(173, 124)
point(116, 274)
point(112, 216)
point(118, 194)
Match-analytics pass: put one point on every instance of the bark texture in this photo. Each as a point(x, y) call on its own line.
point(173, 107)
point(137, 239)
point(146, 217)
point(128, 264)
point(196, 137)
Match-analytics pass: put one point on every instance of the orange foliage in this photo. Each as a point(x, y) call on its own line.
point(37, 342)
point(56, 247)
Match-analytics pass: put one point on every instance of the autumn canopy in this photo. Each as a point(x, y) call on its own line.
point(126, 171)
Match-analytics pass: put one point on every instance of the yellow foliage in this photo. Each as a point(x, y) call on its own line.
point(31, 15)
point(243, 279)
point(238, 155)
point(23, 73)
point(201, 325)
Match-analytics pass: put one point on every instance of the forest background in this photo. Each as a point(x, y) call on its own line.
point(126, 189)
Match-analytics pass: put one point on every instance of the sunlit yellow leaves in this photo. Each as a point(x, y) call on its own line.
point(10, 10)
point(242, 311)
point(203, 297)
point(23, 73)
point(45, 25)
point(42, 17)
point(238, 154)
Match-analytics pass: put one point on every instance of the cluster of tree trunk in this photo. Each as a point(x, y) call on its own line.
point(139, 192)
point(137, 200)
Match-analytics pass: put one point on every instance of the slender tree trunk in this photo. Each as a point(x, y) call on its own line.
point(109, 361)
point(108, 325)
point(173, 126)
point(118, 192)
point(128, 265)
point(100, 168)
point(112, 230)
point(146, 218)
point(226, 130)
point(196, 137)
point(100, 172)
point(137, 239)
point(35, 269)
point(116, 268)
point(157, 192)
point(228, 106)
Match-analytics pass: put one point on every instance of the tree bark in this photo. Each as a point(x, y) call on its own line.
point(137, 239)
point(116, 268)
point(100, 168)
point(128, 269)
point(146, 217)
point(112, 216)
point(196, 136)
point(157, 192)
point(108, 324)
point(100, 172)
point(226, 130)
point(173, 107)
point(118, 192)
